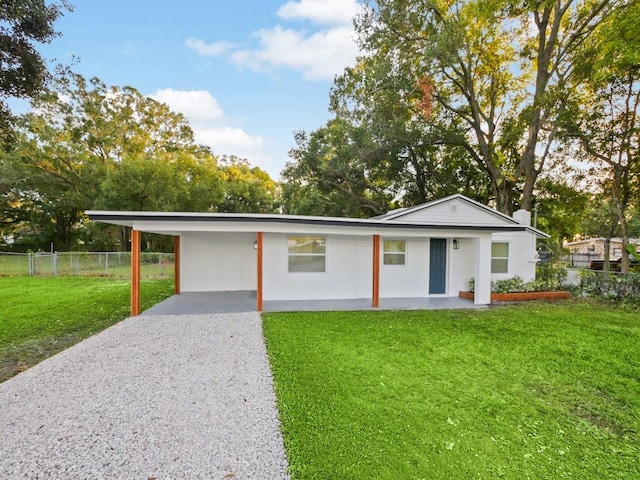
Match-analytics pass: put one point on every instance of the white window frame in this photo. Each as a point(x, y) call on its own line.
point(289, 254)
point(384, 254)
point(508, 244)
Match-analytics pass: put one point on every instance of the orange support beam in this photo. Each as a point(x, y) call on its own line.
point(135, 272)
point(375, 302)
point(259, 257)
point(176, 264)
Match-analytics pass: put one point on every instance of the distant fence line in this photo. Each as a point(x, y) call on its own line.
point(107, 264)
point(581, 260)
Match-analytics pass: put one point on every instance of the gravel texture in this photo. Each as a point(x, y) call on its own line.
point(166, 397)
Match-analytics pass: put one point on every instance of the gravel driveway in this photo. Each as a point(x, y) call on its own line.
point(167, 397)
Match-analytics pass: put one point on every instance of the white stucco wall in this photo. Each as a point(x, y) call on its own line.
point(411, 279)
point(213, 262)
point(461, 266)
point(348, 270)
point(227, 262)
point(522, 259)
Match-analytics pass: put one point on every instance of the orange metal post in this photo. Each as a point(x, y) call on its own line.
point(135, 272)
point(259, 256)
point(375, 303)
point(176, 264)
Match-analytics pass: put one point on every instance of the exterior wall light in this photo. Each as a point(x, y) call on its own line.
point(456, 244)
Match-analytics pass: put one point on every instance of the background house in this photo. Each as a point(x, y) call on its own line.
point(581, 252)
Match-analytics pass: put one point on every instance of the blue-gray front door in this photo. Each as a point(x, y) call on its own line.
point(438, 265)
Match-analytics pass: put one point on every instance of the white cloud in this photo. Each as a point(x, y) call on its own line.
point(209, 49)
point(324, 12)
point(318, 55)
point(226, 140)
point(211, 127)
point(199, 106)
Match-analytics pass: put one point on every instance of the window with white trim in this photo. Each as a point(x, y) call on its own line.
point(499, 257)
point(307, 253)
point(394, 252)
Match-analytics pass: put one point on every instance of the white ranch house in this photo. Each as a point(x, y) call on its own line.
point(430, 250)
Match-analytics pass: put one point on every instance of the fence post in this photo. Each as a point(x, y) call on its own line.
point(106, 263)
point(31, 272)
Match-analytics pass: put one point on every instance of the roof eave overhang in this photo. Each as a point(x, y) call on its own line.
point(174, 221)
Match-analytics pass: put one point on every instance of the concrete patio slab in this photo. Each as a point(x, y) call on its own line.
point(365, 304)
point(196, 303)
point(245, 301)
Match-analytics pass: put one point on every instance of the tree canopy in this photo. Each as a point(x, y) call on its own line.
point(23, 71)
point(500, 100)
point(89, 146)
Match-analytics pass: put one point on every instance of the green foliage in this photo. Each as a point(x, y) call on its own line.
point(488, 78)
point(604, 123)
point(459, 394)
point(564, 209)
point(88, 146)
point(23, 72)
point(334, 173)
point(42, 316)
point(613, 287)
point(246, 189)
point(510, 285)
point(384, 162)
point(552, 275)
point(548, 279)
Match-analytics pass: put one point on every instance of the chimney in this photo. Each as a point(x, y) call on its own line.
point(522, 216)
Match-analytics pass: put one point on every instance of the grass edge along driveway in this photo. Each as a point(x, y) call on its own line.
point(530, 391)
point(40, 316)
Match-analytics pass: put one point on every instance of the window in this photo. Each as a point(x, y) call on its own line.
point(394, 252)
point(307, 254)
point(499, 257)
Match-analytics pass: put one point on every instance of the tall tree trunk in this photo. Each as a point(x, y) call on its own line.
point(624, 262)
point(606, 265)
point(504, 196)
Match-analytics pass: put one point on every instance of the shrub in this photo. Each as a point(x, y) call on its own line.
point(547, 279)
point(509, 285)
point(610, 286)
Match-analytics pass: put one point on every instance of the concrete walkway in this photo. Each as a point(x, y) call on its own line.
point(169, 396)
point(245, 301)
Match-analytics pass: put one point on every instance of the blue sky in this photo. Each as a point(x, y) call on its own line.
point(247, 73)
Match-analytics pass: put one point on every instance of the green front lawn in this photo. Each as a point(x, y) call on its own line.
point(540, 391)
point(40, 316)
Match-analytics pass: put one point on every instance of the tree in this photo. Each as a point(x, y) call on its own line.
point(492, 75)
point(246, 189)
point(87, 146)
point(562, 209)
point(23, 71)
point(605, 122)
point(329, 176)
point(360, 171)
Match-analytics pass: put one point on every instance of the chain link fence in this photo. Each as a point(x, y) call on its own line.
point(90, 264)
